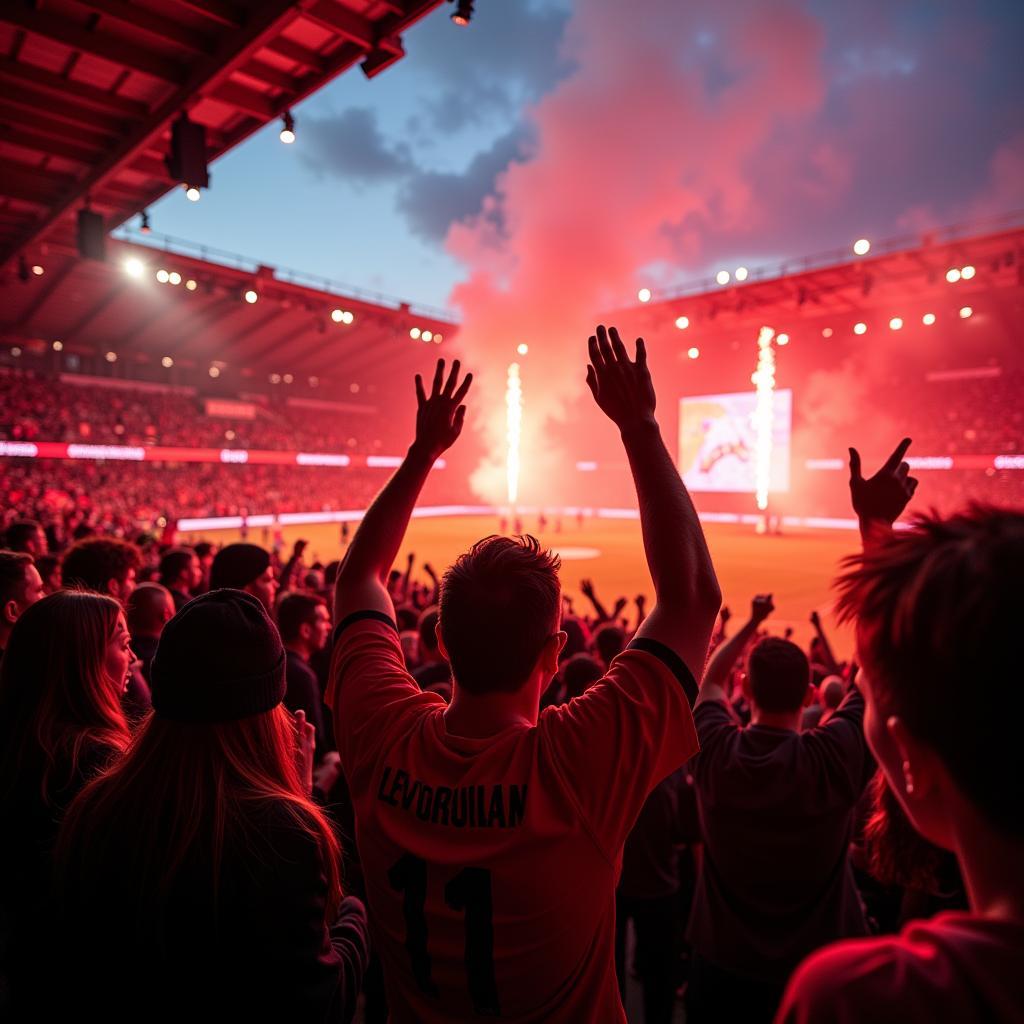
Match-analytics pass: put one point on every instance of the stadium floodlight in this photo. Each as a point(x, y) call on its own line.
point(111, 357)
point(722, 277)
point(336, 315)
point(414, 333)
point(427, 335)
point(167, 362)
point(438, 338)
point(862, 247)
point(644, 295)
point(826, 332)
point(214, 372)
point(693, 353)
point(860, 328)
point(191, 285)
point(192, 193)
point(953, 275)
point(682, 322)
point(134, 267)
point(174, 277)
point(287, 135)
point(463, 13)
point(781, 339)
point(928, 319)
point(347, 316)
point(162, 276)
point(895, 323)
point(58, 346)
point(965, 312)
point(38, 270)
point(966, 273)
point(288, 378)
point(251, 295)
point(522, 348)
point(741, 273)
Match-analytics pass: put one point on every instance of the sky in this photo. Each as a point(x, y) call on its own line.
point(787, 128)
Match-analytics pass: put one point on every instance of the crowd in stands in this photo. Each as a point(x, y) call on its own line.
point(246, 780)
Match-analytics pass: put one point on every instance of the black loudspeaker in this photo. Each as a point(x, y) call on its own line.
point(187, 159)
point(92, 235)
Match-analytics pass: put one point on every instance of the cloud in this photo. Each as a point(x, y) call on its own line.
point(432, 201)
point(350, 146)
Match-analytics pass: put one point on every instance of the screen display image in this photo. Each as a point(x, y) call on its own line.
point(718, 441)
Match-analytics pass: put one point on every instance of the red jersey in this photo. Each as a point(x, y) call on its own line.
point(955, 967)
point(491, 864)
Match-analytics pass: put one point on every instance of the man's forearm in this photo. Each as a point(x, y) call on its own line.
point(725, 658)
point(375, 546)
point(677, 553)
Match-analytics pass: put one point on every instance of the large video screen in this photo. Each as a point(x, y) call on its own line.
point(717, 441)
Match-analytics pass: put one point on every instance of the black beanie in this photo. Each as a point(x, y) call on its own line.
point(238, 565)
point(219, 659)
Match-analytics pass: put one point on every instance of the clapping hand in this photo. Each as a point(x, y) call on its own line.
point(884, 496)
point(622, 389)
point(440, 415)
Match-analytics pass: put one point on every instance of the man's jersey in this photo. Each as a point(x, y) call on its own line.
point(491, 863)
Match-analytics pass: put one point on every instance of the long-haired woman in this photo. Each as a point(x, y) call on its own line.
point(61, 682)
point(199, 861)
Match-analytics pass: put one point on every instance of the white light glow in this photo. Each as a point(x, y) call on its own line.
point(191, 285)
point(347, 317)
point(861, 247)
point(251, 296)
point(966, 273)
point(693, 353)
point(826, 332)
point(952, 275)
point(722, 277)
point(134, 267)
point(174, 277)
point(427, 335)
point(682, 322)
point(438, 338)
point(38, 270)
point(928, 319)
point(58, 346)
point(741, 273)
point(167, 362)
point(764, 415)
point(895, 323)
point(782, 339)
point(644, 295)
point(522, 348)
point(414, 333)
point(337, 315)
point(287, 136)
point(513, 430)
point(860, 328)
point(214, 372)
point(965, 312)
point(192, 193)
point(111, 357)
point(288, 378)
point(162, 276)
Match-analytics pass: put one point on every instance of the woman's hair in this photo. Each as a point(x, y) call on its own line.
point(191, 791)
point(57, 703)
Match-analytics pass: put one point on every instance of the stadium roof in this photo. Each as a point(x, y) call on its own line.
point(196, 314)
point(89, 90)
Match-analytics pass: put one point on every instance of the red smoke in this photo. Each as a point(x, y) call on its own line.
point(644, 140)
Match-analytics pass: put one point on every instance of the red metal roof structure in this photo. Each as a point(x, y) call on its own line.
point(89, 90)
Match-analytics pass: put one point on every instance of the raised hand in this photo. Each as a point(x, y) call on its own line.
point(587, 588)
point(884, 496)
point(622, 389)
point(761, 607)
point(619, 605)
point(305, 748)
point(440, 415)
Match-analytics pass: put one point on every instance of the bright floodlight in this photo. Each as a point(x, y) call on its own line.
point(644, 295)
point(427, 335)
point(192, 193)
point(722, 277)
point(288, 378)
point(38, 270)
point(336, 315)
point(134, 267)
point(895, 323)
point(682, 322)
point(522, 348)
point(693, 353)
point(174, 277)
point(251, 296)
point(781, 339)
point(162, 276)
point(861, 246)
point(438, 338)
point(287, 135)
point(965, 312)
point(111, 357)
point(347, 317)
point(741, 273)
point(928, 319)
point(214, 372)
point(58, 346)
point(414, 333)
point(953, 275)
point(860, 328)
point(167, 362)
point(967, 272)
point(191, 285)
point(826, 332)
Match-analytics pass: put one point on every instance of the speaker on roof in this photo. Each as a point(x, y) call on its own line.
point(187, 159)
point(92, 235)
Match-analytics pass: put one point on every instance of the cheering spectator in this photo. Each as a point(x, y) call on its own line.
point(245, 567)
point(27, 536)
point(305, 626)
point(181, 574)
point(150, 608)
point(200, 857)
point(471, 813)
point(103, 564)
point(61, 680)
point(934, 606)
point(20, 586)
point(776, 810)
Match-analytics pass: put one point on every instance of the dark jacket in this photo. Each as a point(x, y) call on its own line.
point(261, 952)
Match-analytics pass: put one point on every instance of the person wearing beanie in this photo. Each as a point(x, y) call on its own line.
point(245, 567)
point(200, 860)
